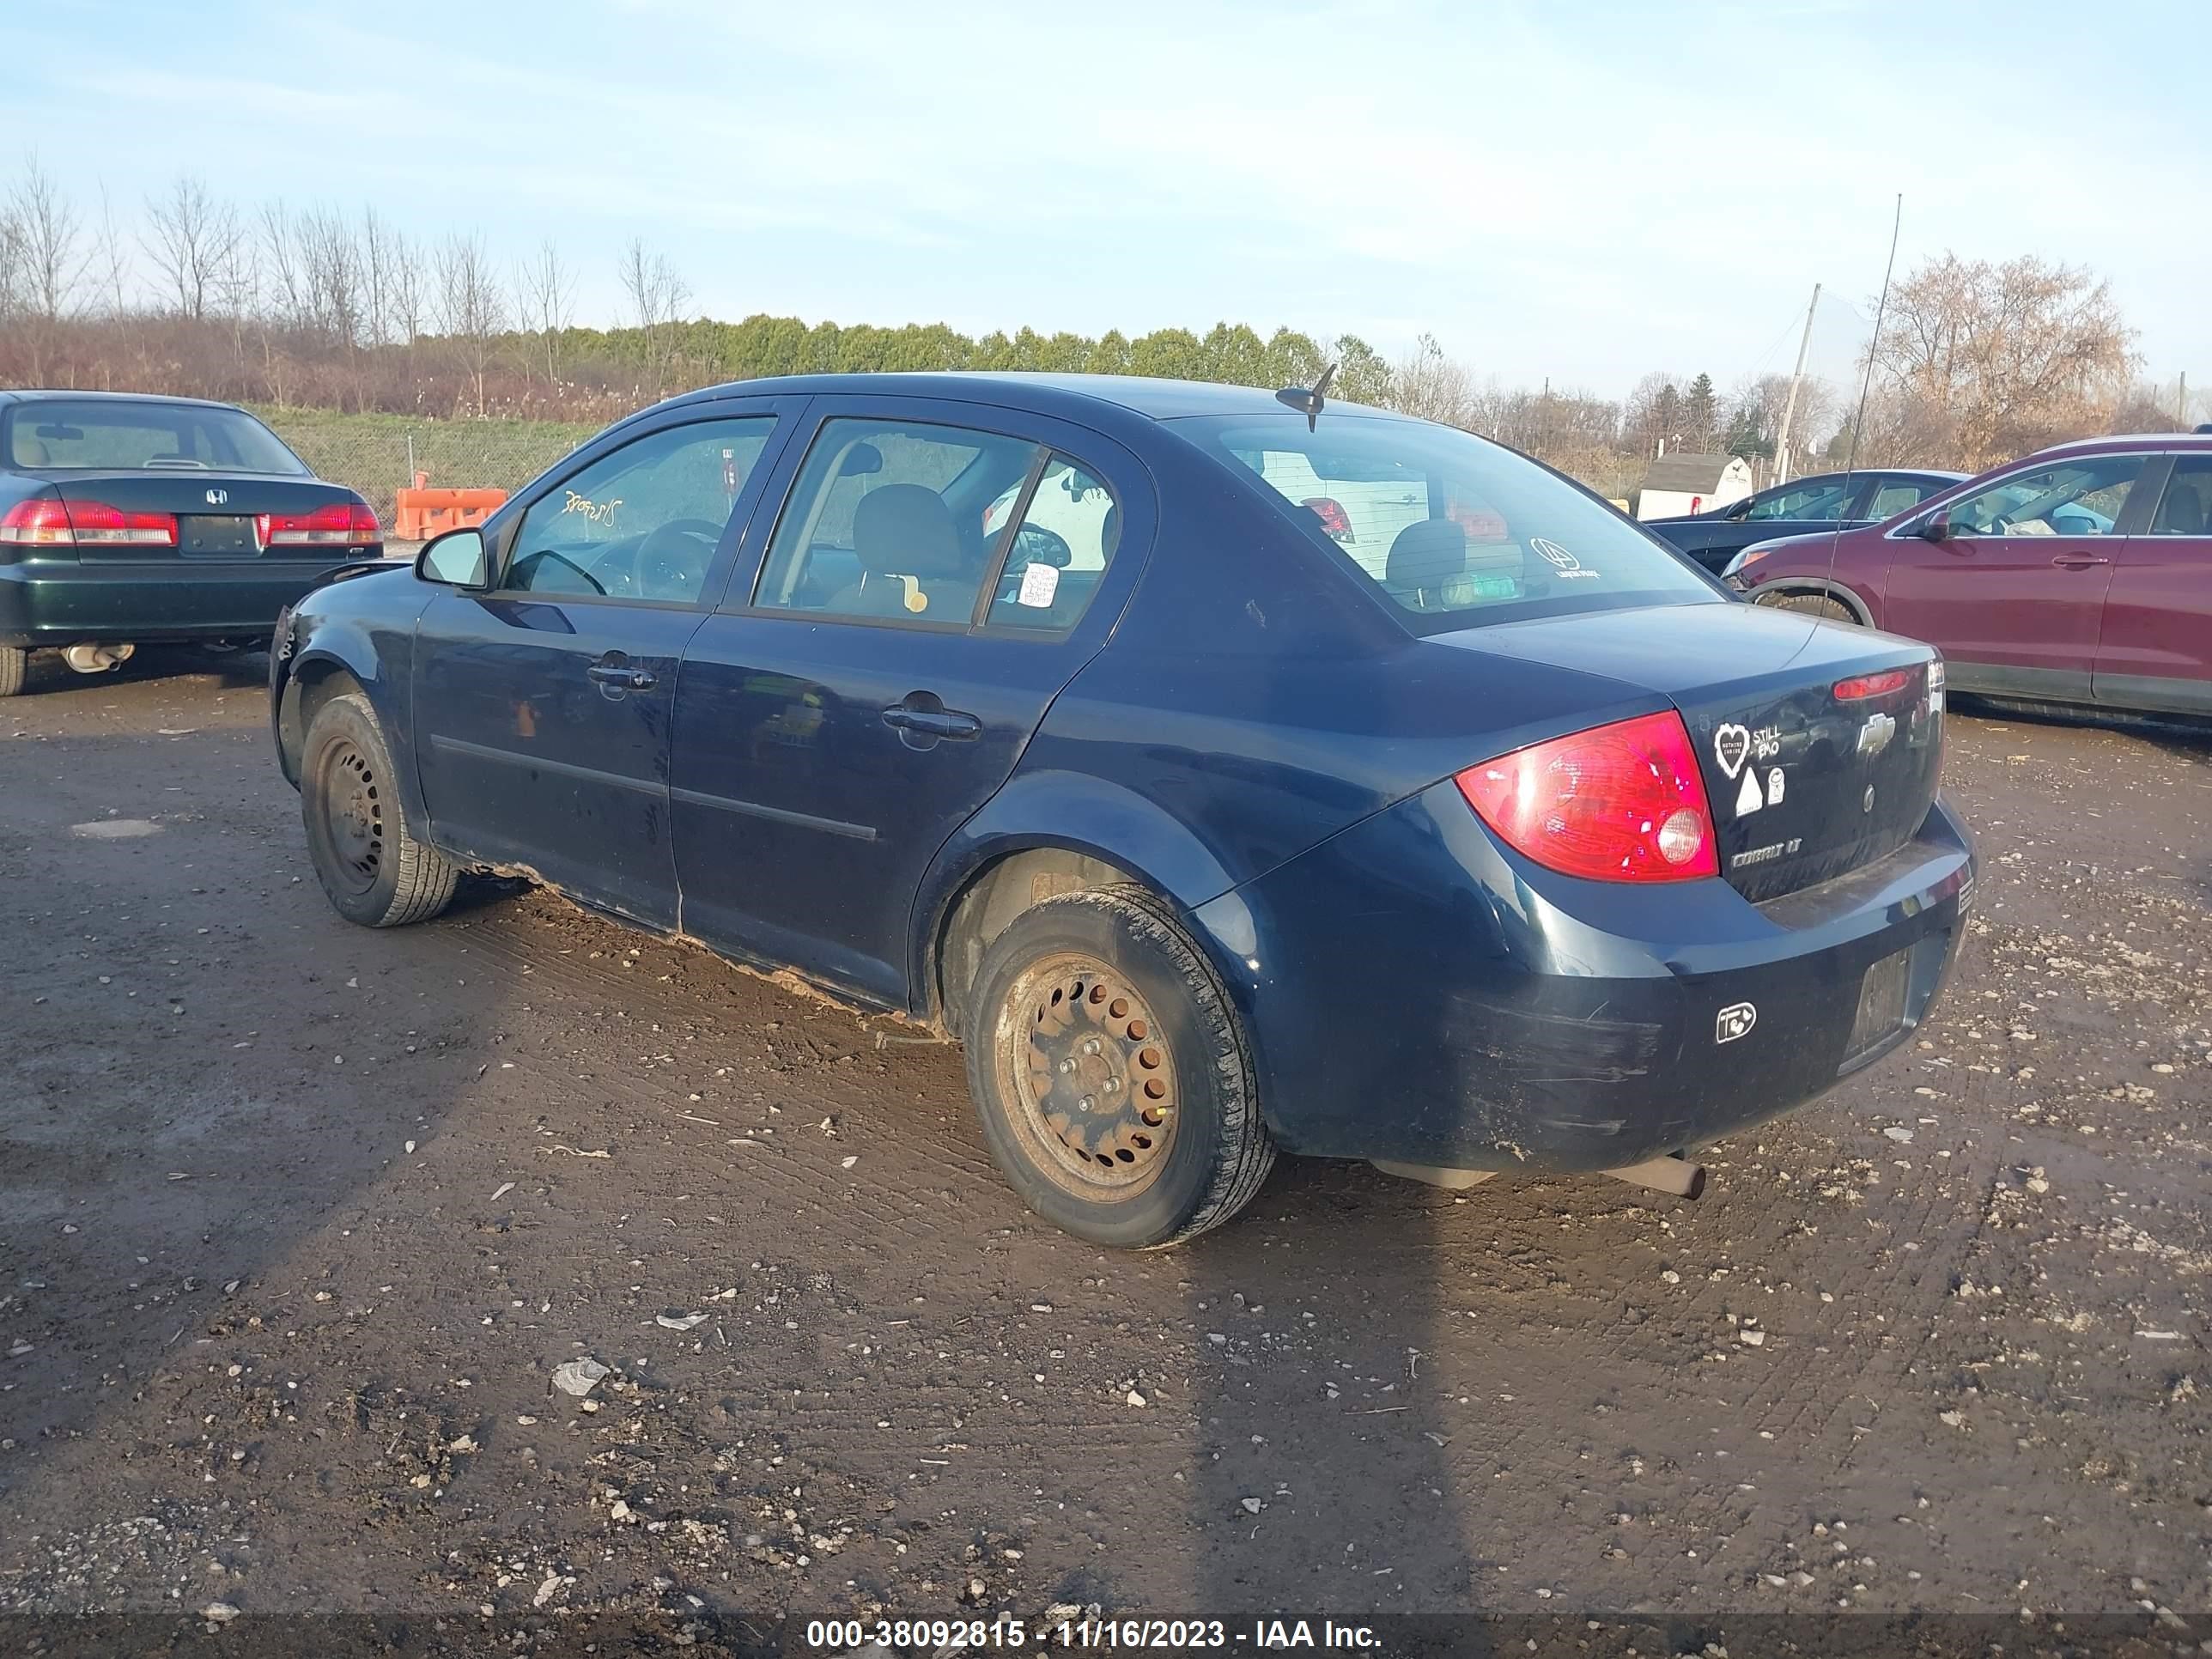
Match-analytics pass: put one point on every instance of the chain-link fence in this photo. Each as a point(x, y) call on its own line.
point(376, 454)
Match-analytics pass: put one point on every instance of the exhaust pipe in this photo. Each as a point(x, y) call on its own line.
point(1677, 1176)
point(96, 659)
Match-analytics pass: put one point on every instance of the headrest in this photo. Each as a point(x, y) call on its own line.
point(2183, 513)
point(907, 529)
point(1427, 554)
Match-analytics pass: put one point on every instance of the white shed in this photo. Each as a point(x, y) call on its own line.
point(1680, 484)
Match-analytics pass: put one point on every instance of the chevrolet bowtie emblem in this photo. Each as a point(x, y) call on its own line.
point(1875, 735)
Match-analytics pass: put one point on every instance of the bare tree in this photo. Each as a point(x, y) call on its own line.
point(331, 276)
point(191, 237)
point(471, 308)
point(1431, 386)
point(286, 289)
point(12, 279)
point(1978, 361)
point(376, 278)
point(657, 296)
point(545, 298)
point(51, 257)
point(108, 264)
point(410, 294)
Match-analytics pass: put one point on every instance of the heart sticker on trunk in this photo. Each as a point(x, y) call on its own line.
point(1731, 744)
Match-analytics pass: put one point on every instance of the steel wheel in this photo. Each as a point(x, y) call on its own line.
point(1093, 1078)
point(372, 865)
point(353, 816)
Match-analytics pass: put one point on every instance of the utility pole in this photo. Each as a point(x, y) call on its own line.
point(1790, 403)
point(2181, 404)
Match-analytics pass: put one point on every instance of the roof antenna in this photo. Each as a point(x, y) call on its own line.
point(1866, 385)
point(1308, 403)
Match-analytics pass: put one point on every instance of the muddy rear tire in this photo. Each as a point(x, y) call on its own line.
point(374, 868)
point(14, 661)
point(1111, 1074)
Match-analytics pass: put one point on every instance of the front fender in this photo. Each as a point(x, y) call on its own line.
point(1074, 813)
point(321, 648)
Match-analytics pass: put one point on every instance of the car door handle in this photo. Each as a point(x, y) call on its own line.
point(2077, 561)
point(622, 674)
point(932, 722)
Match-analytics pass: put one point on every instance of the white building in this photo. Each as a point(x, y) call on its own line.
point(1680, 485)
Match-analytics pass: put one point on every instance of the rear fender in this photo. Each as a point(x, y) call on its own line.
point(1073, 813)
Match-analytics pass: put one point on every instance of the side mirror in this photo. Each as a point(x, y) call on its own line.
point(1936, 526)
point(1739, 511)
point(456, 559)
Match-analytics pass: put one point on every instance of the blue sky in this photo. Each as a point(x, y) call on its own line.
point(1581, 191)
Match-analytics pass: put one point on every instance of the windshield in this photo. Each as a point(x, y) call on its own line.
point(128, 435)
point(1453, 531)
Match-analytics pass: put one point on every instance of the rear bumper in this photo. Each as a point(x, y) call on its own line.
point(52, 604)
point(1416, 993)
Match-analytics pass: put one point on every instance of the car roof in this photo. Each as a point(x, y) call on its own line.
point(1064, 394)
point(46, 394)
point(2129, 442)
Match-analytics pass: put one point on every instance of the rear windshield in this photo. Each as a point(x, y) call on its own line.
point(150, 437)
point(1452, 530)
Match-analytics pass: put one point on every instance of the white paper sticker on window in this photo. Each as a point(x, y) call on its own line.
point(1039, 583)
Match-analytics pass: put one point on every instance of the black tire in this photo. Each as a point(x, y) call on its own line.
point(375, 870)
point(1814, 605)
point(1112, 968)
point(13, 661)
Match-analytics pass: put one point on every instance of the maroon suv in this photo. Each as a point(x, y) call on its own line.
point(2081, 574)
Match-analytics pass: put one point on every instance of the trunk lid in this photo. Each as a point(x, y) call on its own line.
point(215, 513)
point(1805, 784)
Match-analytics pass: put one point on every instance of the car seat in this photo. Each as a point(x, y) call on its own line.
point(1425, 557)
point(2182, 512)
point(912, 562)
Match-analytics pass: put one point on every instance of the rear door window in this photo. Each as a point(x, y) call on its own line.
point(1818, 501)
point(1452, 530)
point(1070, 527)
point(891, 520)
point(1896, 494)
point(2185, 508)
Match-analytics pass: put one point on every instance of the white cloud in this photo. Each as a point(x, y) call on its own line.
point(1585, 191)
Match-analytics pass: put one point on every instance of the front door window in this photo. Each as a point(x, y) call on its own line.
point(1817, 500)
point(643, 523)
point(2080, 497)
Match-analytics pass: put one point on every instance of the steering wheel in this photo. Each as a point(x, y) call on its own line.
point(1035, 544)
point(670, 561)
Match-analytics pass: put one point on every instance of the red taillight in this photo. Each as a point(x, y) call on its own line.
point(85, 524)
point(36, 524)
point(342, 524)
point(1873, 685)
point(1623, 802)
point(1333, 523)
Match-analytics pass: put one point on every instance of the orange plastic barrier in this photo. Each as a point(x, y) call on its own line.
point(423, 512)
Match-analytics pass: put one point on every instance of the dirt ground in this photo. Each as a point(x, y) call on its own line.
point(297, 1221)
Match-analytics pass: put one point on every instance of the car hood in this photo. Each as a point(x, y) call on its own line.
point(1801, 543)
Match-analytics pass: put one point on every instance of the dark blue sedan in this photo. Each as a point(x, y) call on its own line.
point(1228, 776)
